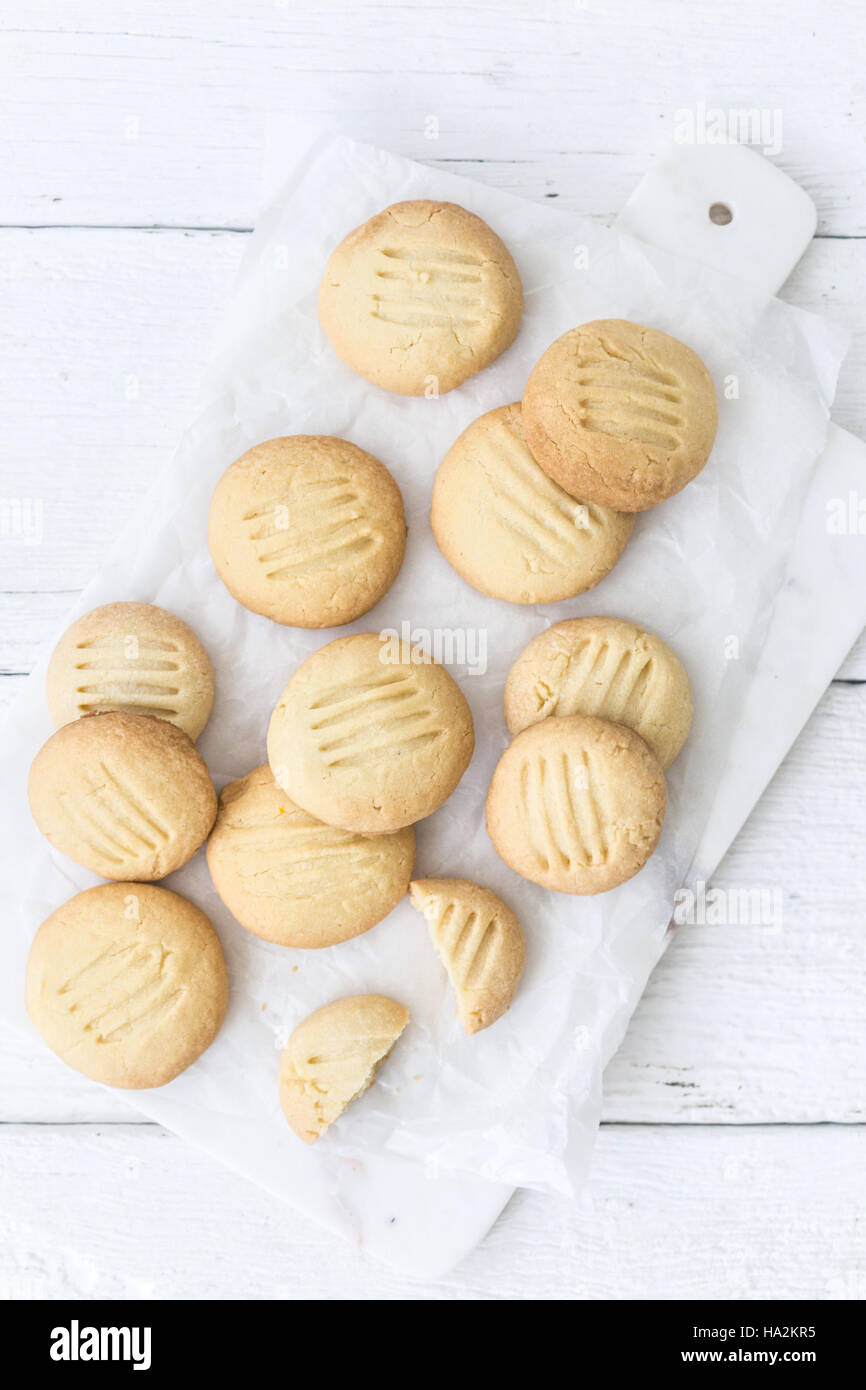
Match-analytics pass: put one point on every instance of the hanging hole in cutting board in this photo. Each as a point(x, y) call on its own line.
point(721, 214)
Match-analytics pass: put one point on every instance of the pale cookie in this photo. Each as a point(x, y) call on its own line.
point(576, 804)
point(125, 795)
point(508, 529)
point(132, 657)
point(307, 530)
point(127, 984)
point(333, 1056)
point(292, 879)
point(369, 736)
point(606, 667)
point(480, 942)
point(420, 298)
point(620, 415)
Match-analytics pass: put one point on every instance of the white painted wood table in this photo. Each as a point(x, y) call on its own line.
point(732, 1156)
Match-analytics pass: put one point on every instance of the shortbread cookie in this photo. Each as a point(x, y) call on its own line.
point(576, 804)
point(125, 795)
point(369, 736)
point(606, 667)
point(307, 530)
point(294, 880)
point(620, 415)
point(127, 984)
point(508, 529)
point(420, 298)
point(132, 657)
point(480, 942)
point(333, 1056)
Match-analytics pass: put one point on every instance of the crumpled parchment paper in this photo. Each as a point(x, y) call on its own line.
point(518, 1103)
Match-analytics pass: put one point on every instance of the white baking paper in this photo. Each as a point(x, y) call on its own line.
point(517, 1104)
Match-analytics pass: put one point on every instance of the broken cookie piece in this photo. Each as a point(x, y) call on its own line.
point(480, 942)
point(332, 1058)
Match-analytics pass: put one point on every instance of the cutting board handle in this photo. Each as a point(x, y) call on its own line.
point(725, 206)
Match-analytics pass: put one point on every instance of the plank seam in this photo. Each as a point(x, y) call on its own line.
point(248, 230)
point(605, 1124)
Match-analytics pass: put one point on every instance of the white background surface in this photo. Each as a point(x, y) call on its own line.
point(731, 1161)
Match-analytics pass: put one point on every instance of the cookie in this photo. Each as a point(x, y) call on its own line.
point(480, 942)
point(420, 298)
point(620, 415)
point(125, 795)
point(576, 804)
point(333, 1056)
point(127, 984)
point(132, 657)
point(369, 736)
point(508, 529)
point(292, 879)
point(606, 667)
point(307, 530)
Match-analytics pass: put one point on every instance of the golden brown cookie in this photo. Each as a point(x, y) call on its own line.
point(127, 984)
point(420, 298)
point(619, 414)
point(606, 667)
point(508, 529)
point(132, 657)
point(294, 880)
point(307, 530)
point(125, 795)
point(576, 804)
point(480, 942)
point(333, 1056)
point(369, 737)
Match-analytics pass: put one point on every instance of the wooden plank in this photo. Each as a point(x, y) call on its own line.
point(110, 371)
point(152, 114)
point(740, 1023)
point(29, 623)
point(672, 1213)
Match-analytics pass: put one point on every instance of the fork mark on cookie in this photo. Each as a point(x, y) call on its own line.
point(87, 828)
point(418, 314)
point(620, 694)
point(628, 396)
point(466, 941)
point(109, 985)
point(429, 255)
point(430, 288)
point(529, 505)
point(345, 691)
point(324, 556)
point(128, 807)
point(369, 753)
point(563, 820)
